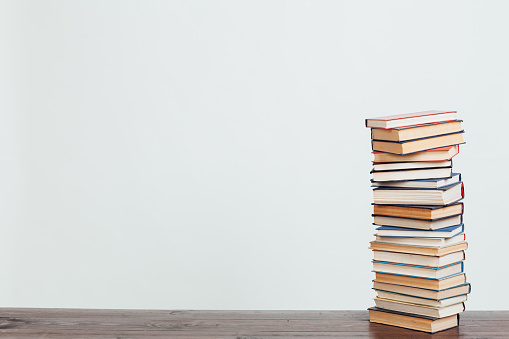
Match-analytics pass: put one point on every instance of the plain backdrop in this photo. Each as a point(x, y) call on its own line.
point(213, 154)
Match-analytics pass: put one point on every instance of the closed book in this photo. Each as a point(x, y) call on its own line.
point(416, 132)
point(436, 154)
point(417, 259)
point(412, 174)
point(426, 242)
point(463, 288)
point(410, 119)
point(418, 212)
point(392, 166)
point(421, 301)
point(421, 183)
point(418, 223)
point(417, 145)
point(412, 321)
point(434, 251)
point(418, 271)
point(447, 232)
point(423, 196)
point(432, 284)
point(439, 312)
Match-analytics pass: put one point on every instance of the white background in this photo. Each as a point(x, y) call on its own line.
point(213, 155)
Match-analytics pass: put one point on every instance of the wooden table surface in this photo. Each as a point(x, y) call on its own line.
point(79, 323)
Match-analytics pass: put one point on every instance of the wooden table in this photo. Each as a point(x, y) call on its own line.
point(77, 323)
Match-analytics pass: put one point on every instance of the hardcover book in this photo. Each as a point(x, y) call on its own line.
point(434, 251)
point(412, 321)
point(436, 154)
point(418, 211)
point(447, 232)
point(416, 132)
point(423, 196)
point(417, 145)
point(410, 119)
point(422, 183)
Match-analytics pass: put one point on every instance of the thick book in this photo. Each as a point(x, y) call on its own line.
point(436, 224)
point(418, 271)
point(410, 119)
point(412, 321)
point(421, 183)
point(430, 284)
point(434, 251)
point(411, 174)
point(426, 293)
point(423, 196)
point(419, 260)
point(425, 242)
point(437, 312)
point(421, 301)
point(417, 211)
point(436, 154)
point(416, 132)
point(393, 166)
point(417, 145)
point(391, 231)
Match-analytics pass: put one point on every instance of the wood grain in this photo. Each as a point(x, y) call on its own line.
point(85, 323)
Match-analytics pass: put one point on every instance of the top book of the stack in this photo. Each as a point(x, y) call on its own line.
point(411, 119)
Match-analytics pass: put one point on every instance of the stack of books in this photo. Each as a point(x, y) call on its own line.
point(420, 244)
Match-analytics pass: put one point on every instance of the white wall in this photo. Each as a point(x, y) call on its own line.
point(212, 154)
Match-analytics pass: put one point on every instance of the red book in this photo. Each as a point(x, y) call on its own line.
point(411, 119)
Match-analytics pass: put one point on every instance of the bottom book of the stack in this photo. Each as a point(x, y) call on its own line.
point(412, 321)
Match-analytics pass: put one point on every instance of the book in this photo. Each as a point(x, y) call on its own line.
point(416, 132)
point(419, 260)
point(418, 212)
point(391, 231)
point(436, 154)
point(421, 196)
point(439, 312)
point(392, 166)
point(434, 251)
point(453, 291)
point(418, 271)
point(425, 242)
point(410, 119)
point(417, 145)
point(422, 183)
point(412, 321)
point(431, 284)
point(421, 301)
point(417, 223)
point(412, 174)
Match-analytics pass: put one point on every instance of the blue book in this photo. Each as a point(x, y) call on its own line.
point(418, 271)
point(420, 183)
point(392, 231)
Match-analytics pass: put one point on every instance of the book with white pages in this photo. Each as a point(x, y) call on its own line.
point(418, 196)
point(383, 220)
point(412, 174)
point(421, 301)
point(391, 231)
point(438, 312)
point(392, 166)
point(431, 242)
point(419, 260)
point(418, 271)
point(422, 183)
